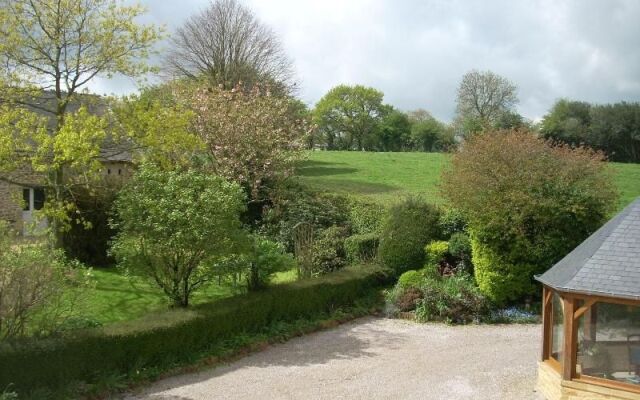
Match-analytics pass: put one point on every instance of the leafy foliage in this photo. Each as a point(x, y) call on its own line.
point(266, 259)
point(39, 289)
point(293, 204)
point(409, 226)
point(527, 202)
point(251, 137)
point(366, 216)
point(172, 226)
point(329, 253)
point(348, 117)
point(362, 248)
point(175, 336)
point(455, 299)
point(49, 77)
point(612, 128)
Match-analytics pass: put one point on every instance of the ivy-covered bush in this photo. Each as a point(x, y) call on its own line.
point(366, 217)
point(452, 221)
point(455, 299)
point(410, 225)
point(362, 248)
point(329, 254)
point(293, 204)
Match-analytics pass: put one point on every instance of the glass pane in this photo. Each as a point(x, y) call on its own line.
point(25, 199)
point(38, 198)
point(557, 328)
point(609, 342)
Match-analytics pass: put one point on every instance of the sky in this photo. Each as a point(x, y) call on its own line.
point(416, 51)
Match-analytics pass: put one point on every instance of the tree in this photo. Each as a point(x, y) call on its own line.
point(484, 96)
point(528, 203)
point(568, 122)
point(612, 128)
point(251, 137)
point(51, 50)
point(348, 116)
point(227, 44)
point(173, 226)
point(394, 131)
point(429, 134)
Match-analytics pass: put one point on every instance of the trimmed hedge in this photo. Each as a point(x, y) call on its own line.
point(362, 248)
point(498, 279)
point(176, 336)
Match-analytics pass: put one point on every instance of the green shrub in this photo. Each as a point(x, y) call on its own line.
point(328, 250)
point(411, 278)
point(435, 252)
point(409, 226)
point(460, 246)
point(362, 248)
point(266, 259)
point(455, 299)
point(452, 221)
point(528, 202)
point(172, 226)
point(293, 204)
point(499, 280)
point(366, 217)
point(39, 289)
point(177, 336)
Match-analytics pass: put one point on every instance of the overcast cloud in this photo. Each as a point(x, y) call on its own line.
point(416, 51)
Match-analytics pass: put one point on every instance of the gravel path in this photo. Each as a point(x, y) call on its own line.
point(375, 358)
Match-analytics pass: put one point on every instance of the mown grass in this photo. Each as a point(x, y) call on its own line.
point(116, 297)
point(387, 177)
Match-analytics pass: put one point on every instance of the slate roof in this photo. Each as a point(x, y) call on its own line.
point(607, 263)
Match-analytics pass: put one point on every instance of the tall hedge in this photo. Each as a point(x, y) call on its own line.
point(176, 336)
point(409, 226)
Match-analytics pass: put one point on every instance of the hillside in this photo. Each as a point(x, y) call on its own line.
point(386, 177)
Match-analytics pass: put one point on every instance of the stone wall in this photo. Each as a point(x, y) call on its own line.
point(11, 194)
point(552, 387)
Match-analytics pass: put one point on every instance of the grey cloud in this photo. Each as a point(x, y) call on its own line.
point(416, 51)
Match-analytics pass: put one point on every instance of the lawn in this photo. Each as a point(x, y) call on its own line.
point(387, 177)
point(116, 297)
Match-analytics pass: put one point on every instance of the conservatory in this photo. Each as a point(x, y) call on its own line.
point(591, 316)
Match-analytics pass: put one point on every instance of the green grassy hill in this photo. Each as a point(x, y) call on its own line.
point(387, 177)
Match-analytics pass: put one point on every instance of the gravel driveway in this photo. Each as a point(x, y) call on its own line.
point(375, 358)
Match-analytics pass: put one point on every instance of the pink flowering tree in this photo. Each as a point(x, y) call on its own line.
point(252, 137)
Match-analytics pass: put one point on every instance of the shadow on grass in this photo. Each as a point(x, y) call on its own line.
point(353, 186)
point(324, 171)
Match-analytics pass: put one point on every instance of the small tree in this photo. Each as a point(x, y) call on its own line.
point(50, 51)
point(252, 137)
point(528, 203)
point(173, 225)
point(39, 290)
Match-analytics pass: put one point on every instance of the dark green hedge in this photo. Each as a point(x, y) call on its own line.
point(176, 336)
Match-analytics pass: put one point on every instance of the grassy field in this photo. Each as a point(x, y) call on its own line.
point(116, 297)
point(387, 177)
